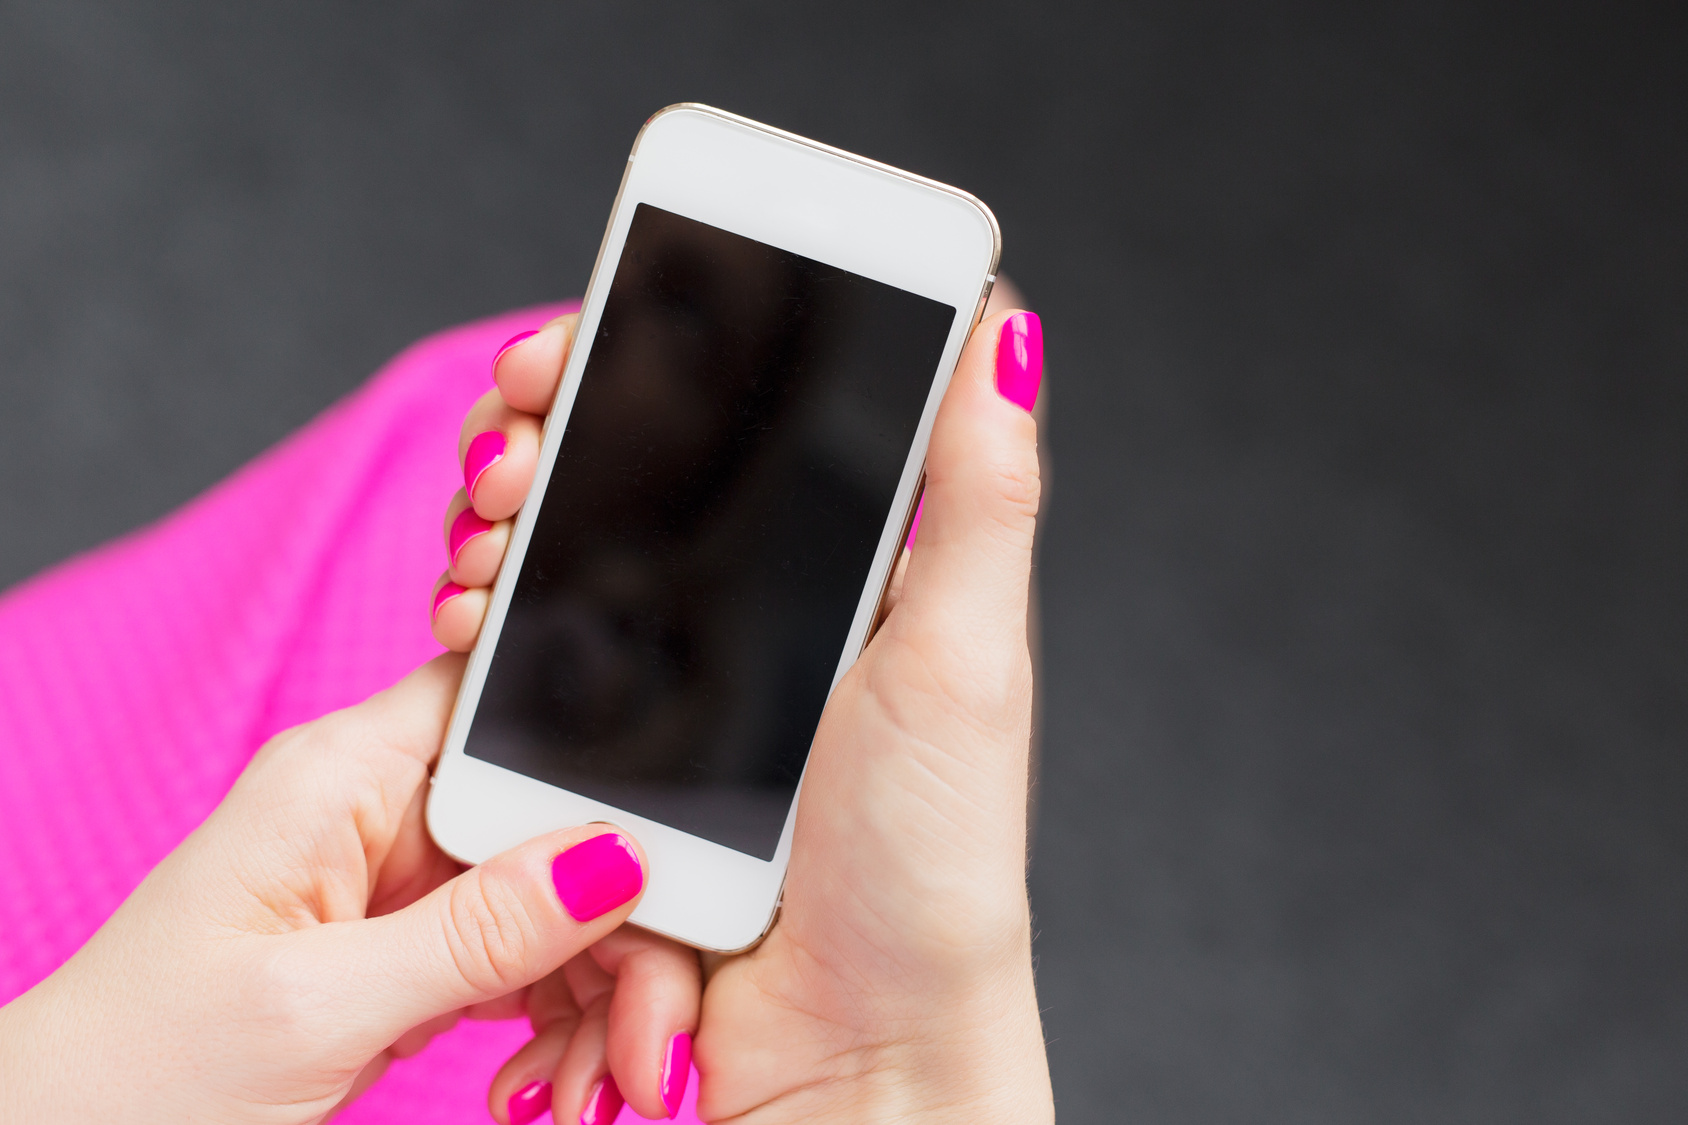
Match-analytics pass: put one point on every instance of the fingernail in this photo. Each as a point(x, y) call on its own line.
point(445, 594)
point(529, 1103)
point(508, 344)
point(465, 527)
point(914, 527)
point(1019, 359)
point(597, 875)
point(603, 1103)
point(676, 1071)
point(486, 451)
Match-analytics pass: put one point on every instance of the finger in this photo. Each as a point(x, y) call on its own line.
point(652, 1018)
point(389, 739)
point(414, 865)
point(967, 582)
point(522, 1088)
point(498, 449)
point(579, 1064)
point(456, 613)
point(552, 998)
point(566, 1054)
point(494, 929)
point(364, 769)
point(1005, 298)
point(583, 1087)
point(528, 372)
point(635, 999)
point(474, 546)
point(409, 717)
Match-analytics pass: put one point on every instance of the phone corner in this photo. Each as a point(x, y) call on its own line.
point(672, 110)
point(739, 944)
point(990, 222)
point(767, 928)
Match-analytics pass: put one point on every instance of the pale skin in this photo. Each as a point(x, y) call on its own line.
point(310, 931)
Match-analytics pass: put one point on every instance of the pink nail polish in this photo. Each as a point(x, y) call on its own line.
point(529, 1103)
point(1019, 359)
point(914, 525)
point(508, 344)
point(603, 1103)
point(465, 527)
point(445, 594)
point(485, 451)
point(597, 875)
point(676, 1072)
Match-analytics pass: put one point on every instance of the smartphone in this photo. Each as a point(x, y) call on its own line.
point(725, 480)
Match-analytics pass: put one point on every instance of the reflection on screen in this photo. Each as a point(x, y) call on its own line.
point(730, 461)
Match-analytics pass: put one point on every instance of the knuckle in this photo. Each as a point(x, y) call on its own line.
point(282, 994)
point(489, 936)
point(1017, 481)
point(953, 691)
point(289, 766)
point(486, 409)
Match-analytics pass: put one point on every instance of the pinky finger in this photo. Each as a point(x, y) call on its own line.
point(457, 614)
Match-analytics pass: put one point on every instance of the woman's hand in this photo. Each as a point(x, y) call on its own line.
point(897, 982)
point(310, 931)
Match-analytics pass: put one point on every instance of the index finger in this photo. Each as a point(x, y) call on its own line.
point(527, 372)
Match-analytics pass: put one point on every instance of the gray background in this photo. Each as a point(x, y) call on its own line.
point(1364, 793)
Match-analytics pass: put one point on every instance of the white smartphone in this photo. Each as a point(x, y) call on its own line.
point(725, 480)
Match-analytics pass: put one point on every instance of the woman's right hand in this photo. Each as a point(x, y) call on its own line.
point(897, 982)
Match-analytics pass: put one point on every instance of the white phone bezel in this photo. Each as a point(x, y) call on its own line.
point(804, 197)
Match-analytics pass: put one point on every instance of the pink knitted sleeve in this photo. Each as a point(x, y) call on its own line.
point(137, 679)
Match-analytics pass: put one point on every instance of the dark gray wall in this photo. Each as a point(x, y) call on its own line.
point(1365, 795)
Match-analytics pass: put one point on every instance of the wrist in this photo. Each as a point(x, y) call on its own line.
point(982, 1060)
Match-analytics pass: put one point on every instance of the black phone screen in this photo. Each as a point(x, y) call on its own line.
point(733, 452)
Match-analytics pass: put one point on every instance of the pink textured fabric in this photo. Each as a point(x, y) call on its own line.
point(138, 679)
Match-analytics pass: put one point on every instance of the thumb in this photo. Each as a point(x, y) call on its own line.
point(969, 572)
point(492, 930)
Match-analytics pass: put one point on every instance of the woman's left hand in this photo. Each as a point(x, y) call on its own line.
point(309, 932)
